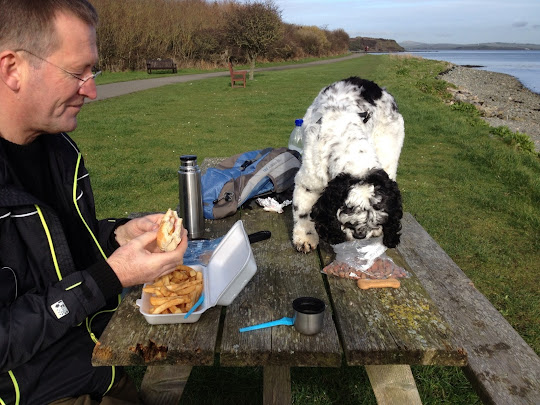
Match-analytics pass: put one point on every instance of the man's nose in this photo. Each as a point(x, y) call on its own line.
point(89, 89)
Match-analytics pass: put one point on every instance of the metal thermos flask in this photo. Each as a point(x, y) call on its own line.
point(190, 189)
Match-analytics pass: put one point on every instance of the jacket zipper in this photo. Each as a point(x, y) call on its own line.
point(89, 321)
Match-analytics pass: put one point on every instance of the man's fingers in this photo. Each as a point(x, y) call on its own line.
point(149, 222)
point(184, 236)
point(155, 219)
point(146, 238)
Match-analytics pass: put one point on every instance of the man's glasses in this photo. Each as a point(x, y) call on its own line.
point(82, 80)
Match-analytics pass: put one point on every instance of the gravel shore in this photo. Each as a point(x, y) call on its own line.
point(501, 98)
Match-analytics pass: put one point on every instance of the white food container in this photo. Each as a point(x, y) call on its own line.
point(229, 269)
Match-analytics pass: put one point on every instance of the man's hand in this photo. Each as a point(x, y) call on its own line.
point(136, 227)
point(140, 261)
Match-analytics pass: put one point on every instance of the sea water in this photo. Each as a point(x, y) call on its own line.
point(524, 65)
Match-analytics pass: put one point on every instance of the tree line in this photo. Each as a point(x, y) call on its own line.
point(205, 34)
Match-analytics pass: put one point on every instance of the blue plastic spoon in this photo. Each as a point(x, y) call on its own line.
point(282, 321)
point(194, 307)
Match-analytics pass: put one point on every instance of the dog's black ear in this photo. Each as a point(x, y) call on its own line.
point(324, 211)
point(387, 189)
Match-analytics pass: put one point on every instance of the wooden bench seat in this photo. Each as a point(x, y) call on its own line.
point(160, 64)
point(502, 367)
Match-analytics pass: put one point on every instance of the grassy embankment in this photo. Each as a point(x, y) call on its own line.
point(476, 196)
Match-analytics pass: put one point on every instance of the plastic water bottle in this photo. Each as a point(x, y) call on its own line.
point(190, 195)
point(295, 140)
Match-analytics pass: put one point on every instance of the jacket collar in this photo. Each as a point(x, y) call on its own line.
point(57, 146)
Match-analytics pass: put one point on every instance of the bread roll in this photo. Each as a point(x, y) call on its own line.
point(170, 231)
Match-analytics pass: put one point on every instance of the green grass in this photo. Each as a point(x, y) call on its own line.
point(115, 77)
point(477, 196)
point(517, 140)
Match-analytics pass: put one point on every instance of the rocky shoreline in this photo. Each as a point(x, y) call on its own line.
point(501, 99)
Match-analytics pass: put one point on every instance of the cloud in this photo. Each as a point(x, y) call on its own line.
point(519, 24)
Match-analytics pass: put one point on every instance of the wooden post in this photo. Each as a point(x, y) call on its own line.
point(276, 385)
point(393, 384)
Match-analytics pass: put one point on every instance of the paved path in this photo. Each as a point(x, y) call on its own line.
point(119, 89)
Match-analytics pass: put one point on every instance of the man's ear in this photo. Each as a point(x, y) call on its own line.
point(10, 69)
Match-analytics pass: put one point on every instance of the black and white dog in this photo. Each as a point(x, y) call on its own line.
point(346, 188)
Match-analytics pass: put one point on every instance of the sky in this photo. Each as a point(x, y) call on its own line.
point(429, 21)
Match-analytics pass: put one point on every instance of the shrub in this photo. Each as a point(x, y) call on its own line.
point(466, 108)
point(195, 32)
point(312, 40)
point(518, 140)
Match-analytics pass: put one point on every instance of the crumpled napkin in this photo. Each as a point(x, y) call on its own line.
point(271, 204)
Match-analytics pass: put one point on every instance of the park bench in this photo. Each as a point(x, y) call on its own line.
point(436, 317)
point(160, 64)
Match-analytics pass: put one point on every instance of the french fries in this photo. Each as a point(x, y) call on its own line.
point(176, 292)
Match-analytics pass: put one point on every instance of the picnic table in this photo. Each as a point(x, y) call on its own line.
point(436, 317)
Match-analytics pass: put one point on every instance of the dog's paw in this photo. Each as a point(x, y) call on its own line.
point(305, 242)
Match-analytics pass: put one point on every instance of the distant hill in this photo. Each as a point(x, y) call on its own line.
point(419, 46)
point(374, 45)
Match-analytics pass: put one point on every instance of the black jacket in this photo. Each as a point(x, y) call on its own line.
point(49, 310)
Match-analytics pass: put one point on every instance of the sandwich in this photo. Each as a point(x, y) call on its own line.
point(169, 233)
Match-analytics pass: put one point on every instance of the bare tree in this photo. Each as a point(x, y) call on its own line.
point(253, 28)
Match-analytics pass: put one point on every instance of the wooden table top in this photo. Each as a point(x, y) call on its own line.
point(366, 327)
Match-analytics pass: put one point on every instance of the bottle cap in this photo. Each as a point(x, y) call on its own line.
point(298, 122)
point(188, 160)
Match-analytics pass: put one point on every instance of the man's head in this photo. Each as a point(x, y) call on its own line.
point(29, 24)
point(47, 48)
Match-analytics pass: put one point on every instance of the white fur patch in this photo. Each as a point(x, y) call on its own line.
point(361, 197)
point(345, 133)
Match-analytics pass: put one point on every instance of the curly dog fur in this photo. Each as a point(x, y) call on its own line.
point(346, 188)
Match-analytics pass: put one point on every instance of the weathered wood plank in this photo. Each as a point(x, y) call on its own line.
point(282, 275)
point(392, 326)
point(503, 368)
point(129, 340)
point(393, 385)
point(164, 385)
point(276, 385)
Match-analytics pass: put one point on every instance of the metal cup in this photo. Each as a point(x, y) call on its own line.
point(308, 315)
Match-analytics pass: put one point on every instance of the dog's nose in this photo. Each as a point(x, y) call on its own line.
point(359, 235)
point(352, 229)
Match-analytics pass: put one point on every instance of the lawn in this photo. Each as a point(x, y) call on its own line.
point(476, 196)
point(114, 77)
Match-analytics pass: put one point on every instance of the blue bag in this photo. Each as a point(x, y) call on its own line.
point(245, 176)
